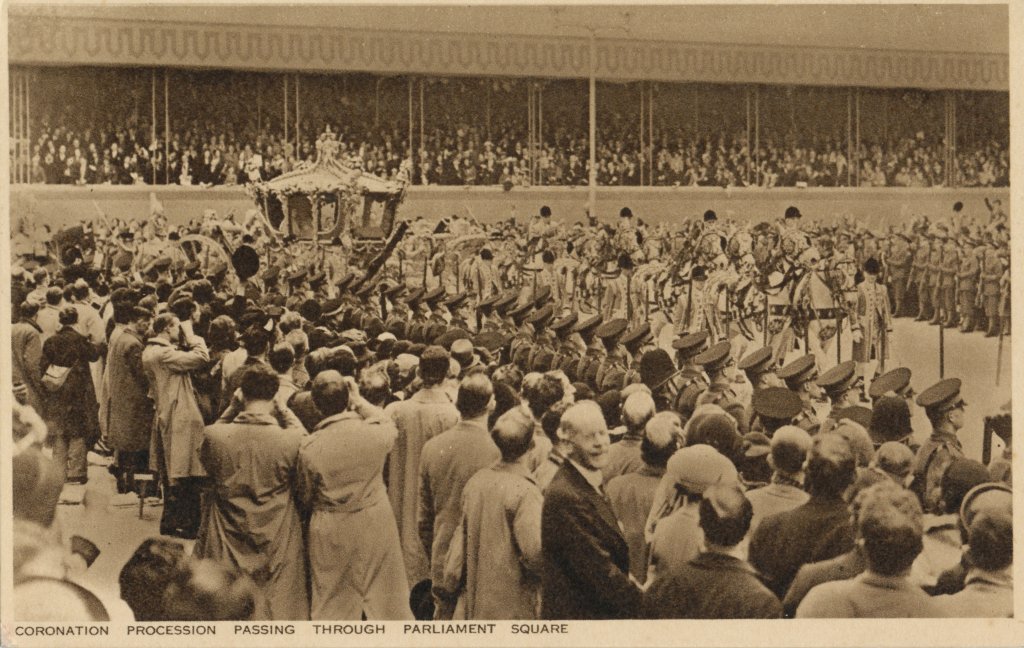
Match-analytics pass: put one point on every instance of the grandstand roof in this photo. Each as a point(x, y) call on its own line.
point(929, 28)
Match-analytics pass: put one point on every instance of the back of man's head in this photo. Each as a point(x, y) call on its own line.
point(205, 590)
point(54, 295)
point(434, 364)
point(990, 539)
point(330, 393)
point(281, 358)
point(831, 467)
point(890, 527)
point(256, 341)
point(789, 449)
point(542, 394)
point(513, 433)
point(637, 409)
point(375, 386)
point(259, 383)
point(661, 439)
point(725, 515)
point(149, 571)
point(475, 393)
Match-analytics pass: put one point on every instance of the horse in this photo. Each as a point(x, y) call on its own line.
point(820, 312)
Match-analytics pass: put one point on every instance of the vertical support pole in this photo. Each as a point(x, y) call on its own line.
point(412, 154)
point(540, 130)
point(489, 84)
point(757, 156)
point(750, 151)
point(167, 128)
point(16, 123)
point(529, 129)
point(650, 132)
point(152, 122)
point(285, 118)
point(423, 137)
point(376, 103)
point(259, 104)
point(643, 158)
point(592, 112)
point(849, 137)
point(28, 127)
point(856, 141)
point(297, 131)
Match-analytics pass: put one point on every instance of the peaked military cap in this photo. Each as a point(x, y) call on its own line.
point(757, 363)
point(433, 295)
point(637, 336)
point(690, 344)
point(799, 371)
point(839, 378)
point(611, 330)
point(776, 403)
point(715, 357)
point(563, 323)
point(896, 381)
point(942, 396)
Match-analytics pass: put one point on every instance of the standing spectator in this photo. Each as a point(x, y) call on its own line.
point(817, 530)
point(889, 529)
point(624, 454)
point(586, 559)
point(250, 518)
point(632, 494)
point(69, 405)
point(446, 464)
point(170, 355)
point(26, 354)
point(355, 556)
point(495, 560)
point(988, 591)
point(420, 418)
point(130, 409)
point(789, 448)
point(718, 583)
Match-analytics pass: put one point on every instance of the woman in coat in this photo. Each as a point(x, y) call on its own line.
point(170, 356)
point(871, 322)
point(71, 410)
point(355, 556)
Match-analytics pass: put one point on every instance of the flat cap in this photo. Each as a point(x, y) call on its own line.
point(637, 336)
point(757, 363)
point(715, 357)
point(691, 344)
point(698, 467)
point(942, 396)
point(896, 381)
point(563, 323)
point(776, 403)
point(839, 378)
point(799, 371)
point(612, 329)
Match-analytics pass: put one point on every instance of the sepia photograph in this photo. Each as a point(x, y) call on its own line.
point(490, 324)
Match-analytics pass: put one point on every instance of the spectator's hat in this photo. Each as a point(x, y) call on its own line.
point(690, 344)
point(560, 325)
point(799, 371)
point(414, 297)
point(609, 332)
point(716, 357)
point(698, 467)
point(434, 295)
point(757, 363)
point(541, 317)
point(792, 212)
point(710, 216)
point(856, 413)
point(756, 444)
point(776, 403)
point(839, 378)
point(895, 382)
point(636, 337)
point(456, 301)
point(656, 368)
point(942, 396)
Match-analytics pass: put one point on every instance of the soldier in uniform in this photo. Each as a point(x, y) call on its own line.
point(691, 381)
point(842, 387)
point(898, 263)
point(502, 308)
point(461, 313)
point(540, 227)
point(594, 352)
point(800, 376)
point(612, 370)
point(636, 341)
point(918, 275)
point(759, 367)
point(620, 299)
point(945, 409)
point(991, 275)
point(560, 328)
point(947, 283)
point(718, 365)
point(893, 383)
point(690, 313)
point(543, 341)
point(933, 280)
point(967, 288)
point(437, 313)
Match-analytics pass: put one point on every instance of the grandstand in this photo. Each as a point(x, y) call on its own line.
point(556, 105)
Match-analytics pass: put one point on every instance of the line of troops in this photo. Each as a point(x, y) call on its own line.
point(607, 356)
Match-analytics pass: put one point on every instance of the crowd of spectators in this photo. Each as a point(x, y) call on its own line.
point(457, 144)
